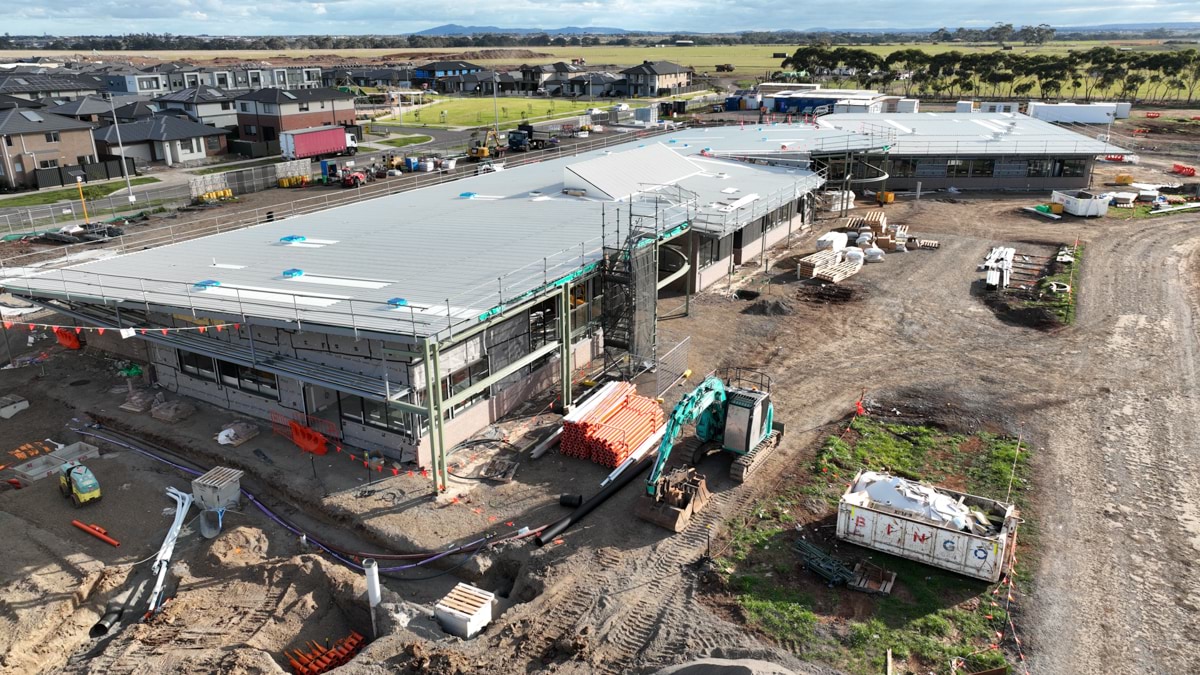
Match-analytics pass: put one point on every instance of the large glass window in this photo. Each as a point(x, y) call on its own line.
point(250, 380)
point(958, 168)
point(1074, 168)
point(1040, 168)
point(197, 366)
point(903, 168)
point(377, 414)
point(982, 168)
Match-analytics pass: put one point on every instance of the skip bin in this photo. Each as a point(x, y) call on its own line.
point(926, 524)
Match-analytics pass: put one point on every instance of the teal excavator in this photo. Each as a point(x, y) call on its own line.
point(732, 412)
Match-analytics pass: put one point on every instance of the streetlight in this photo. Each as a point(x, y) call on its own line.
point(1107, 135)
point(116, 126)
point(496, 102)
point(79, 184)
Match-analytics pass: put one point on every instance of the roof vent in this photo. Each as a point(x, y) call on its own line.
point(293, 273)
point(207, 283)
point(467, 195)
point(292, 239)
point(397, 302)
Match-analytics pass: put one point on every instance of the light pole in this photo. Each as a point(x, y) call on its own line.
point(117, 127)
point(496, 101)
point(1107, 136)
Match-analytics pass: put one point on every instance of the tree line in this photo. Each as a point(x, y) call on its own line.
point(1097, 72)
point(1000, 33)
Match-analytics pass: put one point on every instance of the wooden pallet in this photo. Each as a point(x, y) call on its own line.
point(839, 272)
point(807, 266)
point(876, 219)
point(928, 243)
point(872, 579)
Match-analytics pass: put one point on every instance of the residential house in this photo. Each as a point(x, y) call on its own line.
point(131, 112)
point(207, 105)
point(657, 78)
point(130, 81)
point(7, 101)
point(552, 78)
point(392, 78)
point(38, 140)
point(595, 85)
point(175, 73)
point(427, 75)
point(61, 87)
point(478, 83)
point(86, 109)
point(262, 115)
point(162, 139)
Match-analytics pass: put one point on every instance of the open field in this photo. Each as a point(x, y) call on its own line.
point(1105, 405)
point(747, 59)
point(470, 112)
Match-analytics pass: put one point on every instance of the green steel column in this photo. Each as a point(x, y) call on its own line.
point(564, 346)
point(434, 409)
point(441, 476)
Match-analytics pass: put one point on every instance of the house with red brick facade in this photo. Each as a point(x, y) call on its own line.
point(262, 115)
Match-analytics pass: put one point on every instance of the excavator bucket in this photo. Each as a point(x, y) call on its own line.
point(677, 495)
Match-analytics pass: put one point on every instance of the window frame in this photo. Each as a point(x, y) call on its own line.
point(53, 137)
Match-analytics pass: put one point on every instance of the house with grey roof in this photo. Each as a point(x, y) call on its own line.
point(264, 114)
point(33, 139)
point(657, 78)
point(35, 87)
point(86, 109)
point(168, 139)
point(208, 105)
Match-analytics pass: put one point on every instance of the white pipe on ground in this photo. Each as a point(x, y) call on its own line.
point(183, 502)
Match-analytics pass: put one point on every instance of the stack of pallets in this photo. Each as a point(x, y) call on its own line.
point(611, 425)
point(324, 659)
point(839, 272)
point(807, 266)
point(928, 243)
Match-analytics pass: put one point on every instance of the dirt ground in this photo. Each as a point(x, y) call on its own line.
point(1108, 404)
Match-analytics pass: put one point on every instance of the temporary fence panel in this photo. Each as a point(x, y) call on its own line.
point(672, 365)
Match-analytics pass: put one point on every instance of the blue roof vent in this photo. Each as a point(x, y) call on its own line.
point(292, 239)
point(207, 283)
point(708, 149)
point(467, 195)
point(672, 141)
point(687, 145)
point(293, 273)
point(397, 302)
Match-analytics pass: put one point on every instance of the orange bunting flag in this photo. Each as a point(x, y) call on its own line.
point(7, 325)
point(78, 330)
point(100, 331)
point(202, 329)
point(219, 327)
point(164, 331)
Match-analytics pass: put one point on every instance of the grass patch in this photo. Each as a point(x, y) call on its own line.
point(248, 165)
point(932, 615)
point(89, 192)
point(405, 140)
point(472, 112)
point(1061, 305)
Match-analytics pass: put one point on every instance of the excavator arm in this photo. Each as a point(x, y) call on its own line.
point(704, 405)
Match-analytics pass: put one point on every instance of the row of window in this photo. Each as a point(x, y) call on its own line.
point(389, 417)
point(245, 378)
point(986, 168)
point(271, 108)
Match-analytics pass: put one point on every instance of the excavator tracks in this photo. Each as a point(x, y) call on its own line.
point(748, 463)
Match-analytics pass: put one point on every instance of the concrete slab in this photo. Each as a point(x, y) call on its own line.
point(11, 405)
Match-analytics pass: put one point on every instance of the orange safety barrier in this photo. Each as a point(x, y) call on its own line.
point(1114, 158)
point(67, 338)
point(1153, 115)
point(308, 440)
point(1141, 131)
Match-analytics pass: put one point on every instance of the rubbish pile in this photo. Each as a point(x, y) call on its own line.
point(872, 238)
point(611, 425)
point(998, 266)
point(925, 502)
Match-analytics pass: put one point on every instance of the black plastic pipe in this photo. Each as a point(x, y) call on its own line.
point(596, 500)
point(117, 607)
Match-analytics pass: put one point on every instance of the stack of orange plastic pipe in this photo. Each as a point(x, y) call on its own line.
point(609, 427)
point(321, 659)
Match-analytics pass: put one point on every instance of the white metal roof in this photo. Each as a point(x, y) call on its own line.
point(953, 134)
point(451, 251)
point(619, 175)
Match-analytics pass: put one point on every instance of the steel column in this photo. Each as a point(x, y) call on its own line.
point(564, 341)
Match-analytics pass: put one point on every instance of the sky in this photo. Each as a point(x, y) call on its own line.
point(352, 17)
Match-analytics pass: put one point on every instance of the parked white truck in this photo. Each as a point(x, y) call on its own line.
point(970, 535)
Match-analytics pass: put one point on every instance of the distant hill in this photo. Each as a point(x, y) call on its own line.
point(455, 29)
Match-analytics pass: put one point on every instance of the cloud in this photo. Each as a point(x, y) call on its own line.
point(249, 17)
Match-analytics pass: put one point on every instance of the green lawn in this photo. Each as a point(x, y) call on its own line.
point(471, 112)
point(89, 192)
point(934, 615)
point(224, 167)
point(404, 140)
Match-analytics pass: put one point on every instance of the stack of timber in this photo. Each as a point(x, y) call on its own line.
point(611, 425)
point(929, 244)
point(840, 271)
point(808, 266)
